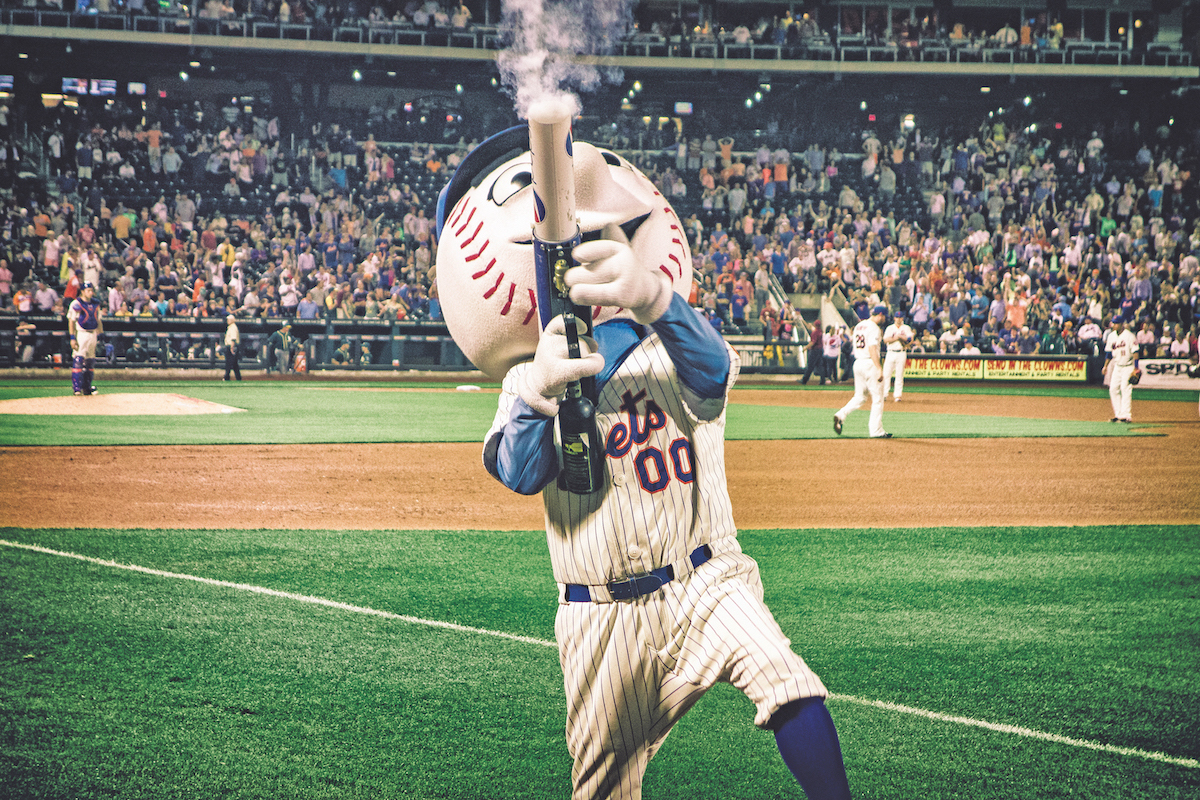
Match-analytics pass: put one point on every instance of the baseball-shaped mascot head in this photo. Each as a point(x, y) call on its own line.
point(485, 263)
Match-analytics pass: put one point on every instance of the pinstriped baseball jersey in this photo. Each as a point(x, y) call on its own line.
point(664, 493)
point(632, 668)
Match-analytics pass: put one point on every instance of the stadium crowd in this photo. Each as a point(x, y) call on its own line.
point(998, 240)
point(1002, 241)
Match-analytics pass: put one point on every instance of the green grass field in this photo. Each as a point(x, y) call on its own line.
point(973, 663)
point(118, 683)
point(310, 412)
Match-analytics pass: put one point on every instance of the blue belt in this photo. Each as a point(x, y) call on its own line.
point(638, 585)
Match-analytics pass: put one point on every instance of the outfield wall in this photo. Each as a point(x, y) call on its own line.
point(425, 345)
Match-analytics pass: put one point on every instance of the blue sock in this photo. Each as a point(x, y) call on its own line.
point(809, 745)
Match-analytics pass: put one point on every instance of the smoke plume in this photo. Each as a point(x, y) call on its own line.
point(551, 46)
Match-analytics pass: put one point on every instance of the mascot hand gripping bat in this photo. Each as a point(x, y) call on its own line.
point(657, 601)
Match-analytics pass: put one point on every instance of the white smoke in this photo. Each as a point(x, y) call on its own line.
point(552, 46)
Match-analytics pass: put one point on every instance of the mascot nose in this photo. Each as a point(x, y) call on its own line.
point(599, 199)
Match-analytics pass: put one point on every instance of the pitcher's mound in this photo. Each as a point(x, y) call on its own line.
point(116, 405)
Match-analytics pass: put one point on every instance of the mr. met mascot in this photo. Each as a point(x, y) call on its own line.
point(657, 602)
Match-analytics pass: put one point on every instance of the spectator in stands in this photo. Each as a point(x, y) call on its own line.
point(44, 298)
point(814, 355)
point(1147, 340)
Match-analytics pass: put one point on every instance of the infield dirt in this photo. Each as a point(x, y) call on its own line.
point(812, 483)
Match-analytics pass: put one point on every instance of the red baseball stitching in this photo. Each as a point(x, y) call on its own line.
point(484, 271)
point(470, 217)
point(488, 294)
point(532, 306)
point(478, 228)
point(481, 249)
point(463, 205)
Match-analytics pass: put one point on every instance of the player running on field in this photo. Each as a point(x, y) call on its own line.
point(868, 374)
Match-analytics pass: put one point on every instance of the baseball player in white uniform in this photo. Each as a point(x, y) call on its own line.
point(868, 375)
point(1121, 354)
point(657, 601)
point(896, 339)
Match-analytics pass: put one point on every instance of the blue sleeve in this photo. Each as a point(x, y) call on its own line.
point(522, 454)
point(699, 353)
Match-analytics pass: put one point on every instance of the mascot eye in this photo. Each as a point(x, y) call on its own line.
point(615, 160)
point(509, 182)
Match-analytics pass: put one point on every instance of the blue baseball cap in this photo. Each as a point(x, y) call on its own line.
point(879, 309)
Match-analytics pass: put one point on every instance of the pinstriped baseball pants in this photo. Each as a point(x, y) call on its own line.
point(632, 668)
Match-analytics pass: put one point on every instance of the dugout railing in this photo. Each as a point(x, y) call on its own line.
point(41, 341)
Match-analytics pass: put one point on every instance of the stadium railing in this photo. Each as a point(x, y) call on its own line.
point(186, 342)
point(488, 37)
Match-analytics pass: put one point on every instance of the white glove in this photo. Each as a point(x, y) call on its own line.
point(609, 275)
point(545, 381)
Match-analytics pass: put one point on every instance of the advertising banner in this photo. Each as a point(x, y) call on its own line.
point(1034, 369)
point(1047, 368)
point(1166, 373)
point(957, 369)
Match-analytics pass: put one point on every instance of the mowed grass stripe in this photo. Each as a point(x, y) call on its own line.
point(302, 598)
point(334, 604)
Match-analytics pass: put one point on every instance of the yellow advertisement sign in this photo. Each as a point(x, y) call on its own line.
point(958, 369)
point(994, 368)
point(1033, 369)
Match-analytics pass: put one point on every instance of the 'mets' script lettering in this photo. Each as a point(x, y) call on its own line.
point(622, 436)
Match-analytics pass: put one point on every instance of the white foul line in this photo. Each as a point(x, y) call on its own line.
point(1015, 730)
point(303, 598)
point(1019, 731)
